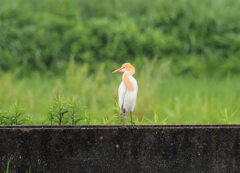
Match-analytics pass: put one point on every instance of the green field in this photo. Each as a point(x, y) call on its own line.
point(163, 98)
point(56, 59)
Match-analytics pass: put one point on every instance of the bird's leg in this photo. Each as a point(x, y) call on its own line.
point(123, 112)
point(124, 117)
point(131, 118)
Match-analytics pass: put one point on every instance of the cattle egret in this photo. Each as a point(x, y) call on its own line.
point(127, 91)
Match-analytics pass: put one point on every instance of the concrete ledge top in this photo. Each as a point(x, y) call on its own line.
point(120, 126)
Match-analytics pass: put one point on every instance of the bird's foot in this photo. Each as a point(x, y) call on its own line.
point(124, 120)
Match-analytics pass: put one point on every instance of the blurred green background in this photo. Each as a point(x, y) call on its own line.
point(56, 58)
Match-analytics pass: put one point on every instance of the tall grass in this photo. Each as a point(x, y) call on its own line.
point(185, 41)
point(162, 99)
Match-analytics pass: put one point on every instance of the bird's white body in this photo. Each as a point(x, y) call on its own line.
point(127, 91)
point(127, 98)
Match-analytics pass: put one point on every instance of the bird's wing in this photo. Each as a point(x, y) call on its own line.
point(121, 94)
point(133, 95)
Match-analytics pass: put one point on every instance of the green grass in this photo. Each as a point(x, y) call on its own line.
point(8, 166)
point(162, 99)
point(191, 75)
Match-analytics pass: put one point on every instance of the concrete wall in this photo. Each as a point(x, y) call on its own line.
point(120, 148)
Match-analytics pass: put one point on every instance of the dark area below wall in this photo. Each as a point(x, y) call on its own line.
point(186, 148)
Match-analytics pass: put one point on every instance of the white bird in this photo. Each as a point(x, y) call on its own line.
point(127, 91)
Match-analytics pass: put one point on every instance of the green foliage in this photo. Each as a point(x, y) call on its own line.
point(115, 117)
point(197, 37)
point(74, 110)
point(15, 116)
point(58, 111)
point(1, 117)
point(83, 41)
point(65, 112)
point(228, 117)
point(8, 165)
point(85, 97)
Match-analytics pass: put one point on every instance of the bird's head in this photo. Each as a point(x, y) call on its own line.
point(126, 67)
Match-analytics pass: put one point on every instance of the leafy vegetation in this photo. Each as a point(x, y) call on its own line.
point(197, 37)
point(56, 58)
point(14, 116)
point(84, 97)
point(8, 166)
point(62, 111)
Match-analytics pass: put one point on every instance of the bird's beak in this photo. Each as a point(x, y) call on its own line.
point(118, 70)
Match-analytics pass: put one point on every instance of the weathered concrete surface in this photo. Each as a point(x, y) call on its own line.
point(121, 148)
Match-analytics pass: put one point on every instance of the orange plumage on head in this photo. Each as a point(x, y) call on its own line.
point(129, 68)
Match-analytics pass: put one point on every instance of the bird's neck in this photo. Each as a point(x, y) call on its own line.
point(126, 80)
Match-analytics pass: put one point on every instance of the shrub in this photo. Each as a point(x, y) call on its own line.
point(198, 37)
point(65, 111)
point(15, 116)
